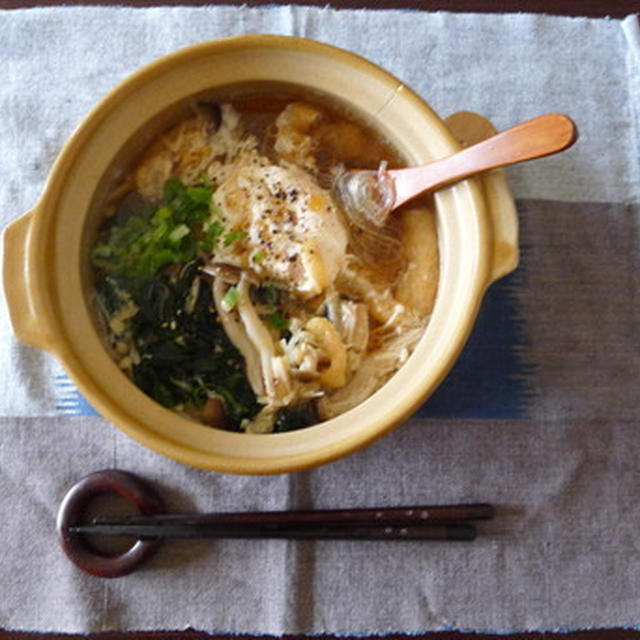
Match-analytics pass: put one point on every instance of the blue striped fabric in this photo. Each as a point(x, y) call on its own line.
point(69, 401)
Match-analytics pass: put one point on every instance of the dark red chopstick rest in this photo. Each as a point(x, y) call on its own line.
point(130, 488)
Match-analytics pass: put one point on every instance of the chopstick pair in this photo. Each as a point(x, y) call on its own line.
point(441, 522)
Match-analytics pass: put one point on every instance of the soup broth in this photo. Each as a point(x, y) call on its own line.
point(230, 286)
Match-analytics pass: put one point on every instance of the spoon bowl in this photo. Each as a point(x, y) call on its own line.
point(368, 197)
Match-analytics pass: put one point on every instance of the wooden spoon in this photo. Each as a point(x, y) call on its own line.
point(369, 196)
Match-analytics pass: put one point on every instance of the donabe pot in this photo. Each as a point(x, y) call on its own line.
point(46, 272)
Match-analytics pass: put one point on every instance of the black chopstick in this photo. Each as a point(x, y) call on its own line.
point(440, 522)
point(391, 516)
point(454, 532)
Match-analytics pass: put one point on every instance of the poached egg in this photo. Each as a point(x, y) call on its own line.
point(289, 228)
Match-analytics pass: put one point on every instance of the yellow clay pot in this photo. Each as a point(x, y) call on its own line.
point(46, 274)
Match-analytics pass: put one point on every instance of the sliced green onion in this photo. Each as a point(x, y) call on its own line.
point(201, 195)
point(231, 298)
point(232, 236)
point(212, 229)
point(178, 233)
point(259, 255)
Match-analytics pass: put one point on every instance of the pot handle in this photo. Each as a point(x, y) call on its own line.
point(18, 282)
point(469, 128)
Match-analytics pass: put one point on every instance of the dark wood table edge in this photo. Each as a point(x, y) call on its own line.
point(614, 633)
point(574, 8)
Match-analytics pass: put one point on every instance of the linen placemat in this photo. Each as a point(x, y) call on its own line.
point(540, 415)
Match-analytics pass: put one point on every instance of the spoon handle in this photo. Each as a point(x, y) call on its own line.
point(535, 138)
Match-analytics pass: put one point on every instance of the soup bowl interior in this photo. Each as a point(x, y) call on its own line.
point(127, 120)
